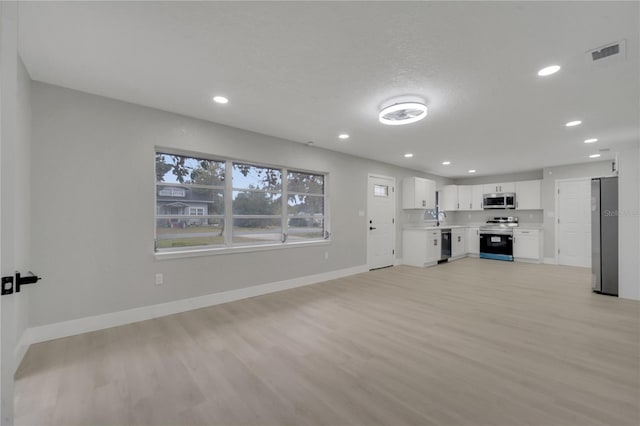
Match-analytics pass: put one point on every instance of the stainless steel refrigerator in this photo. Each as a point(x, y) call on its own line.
point(604, 235)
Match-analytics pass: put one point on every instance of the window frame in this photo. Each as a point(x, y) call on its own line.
point(227, 217)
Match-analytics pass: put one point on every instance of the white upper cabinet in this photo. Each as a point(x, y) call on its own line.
point(490, 188)
point(477, 192)
point(418, 193)
point(464, 197)
point(528, 195)
point(449, 198)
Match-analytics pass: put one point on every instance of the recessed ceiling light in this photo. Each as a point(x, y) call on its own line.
point(220, 100)
point(402, 113)
point(551, 69)
point(573, 123)
point(446, 163)
point(408, 155)
point(594, 156)
point(472, 171)
point(343, 136)
point(592, 140)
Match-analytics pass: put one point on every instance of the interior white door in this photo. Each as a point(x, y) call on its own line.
point(574, 223)
point(8, 198)
point(381, 210)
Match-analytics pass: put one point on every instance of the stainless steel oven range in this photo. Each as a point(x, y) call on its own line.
point(496, 238)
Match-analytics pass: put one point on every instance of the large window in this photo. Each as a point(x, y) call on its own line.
point(268, 205)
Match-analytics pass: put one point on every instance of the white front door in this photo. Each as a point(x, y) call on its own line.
point(574, 222)
point(381, 210)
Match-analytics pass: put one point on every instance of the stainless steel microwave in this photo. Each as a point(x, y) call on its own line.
point(499, 201)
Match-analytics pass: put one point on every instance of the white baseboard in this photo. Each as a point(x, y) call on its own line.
point(549, 261)
point(98, 322)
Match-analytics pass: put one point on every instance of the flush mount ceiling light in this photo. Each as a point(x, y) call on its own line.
point(551, 69)
point(573, 123)
point(592, 140)
point(472, 171)
point(401, 111)
point(220, 100)
point(594, 156)
point(343, 136)
point(446, 163)
point(408, 155)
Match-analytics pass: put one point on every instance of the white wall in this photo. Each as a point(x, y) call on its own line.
point(93, 207)
point(550, 175)
point(628, 221)
point(510, 177)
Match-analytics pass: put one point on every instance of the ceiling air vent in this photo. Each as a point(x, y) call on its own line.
point(612, 49)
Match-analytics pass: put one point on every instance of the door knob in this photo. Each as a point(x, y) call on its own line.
point(371, 228)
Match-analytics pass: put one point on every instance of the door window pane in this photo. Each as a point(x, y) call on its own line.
point(380, 191)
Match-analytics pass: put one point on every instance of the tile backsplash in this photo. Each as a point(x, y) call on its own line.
point(418, 217)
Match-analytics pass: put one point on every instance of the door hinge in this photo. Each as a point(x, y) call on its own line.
point(558, 251)
point(393, 220)
point(558, 220)
point(393, 252)
point(558, 190)
point(393, 189)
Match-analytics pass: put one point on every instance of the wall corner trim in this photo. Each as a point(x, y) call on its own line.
point(99, 322)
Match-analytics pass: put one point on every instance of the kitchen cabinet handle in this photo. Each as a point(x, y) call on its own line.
point(435, 242)
point(470, 206)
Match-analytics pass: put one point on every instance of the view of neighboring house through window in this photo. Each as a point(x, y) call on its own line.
point(269, 205)
point(188, 187)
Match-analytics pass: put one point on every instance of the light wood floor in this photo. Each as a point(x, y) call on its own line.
point(474, 342)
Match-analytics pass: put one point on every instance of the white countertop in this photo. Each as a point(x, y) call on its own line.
point(410, 227)
point(431, 227)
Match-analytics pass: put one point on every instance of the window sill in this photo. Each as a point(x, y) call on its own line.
point(165, 255)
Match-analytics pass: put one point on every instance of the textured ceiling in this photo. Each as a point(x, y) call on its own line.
point(306, 71)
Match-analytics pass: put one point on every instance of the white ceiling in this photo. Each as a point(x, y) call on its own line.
point(306, 71)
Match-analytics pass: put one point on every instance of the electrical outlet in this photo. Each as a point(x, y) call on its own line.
point(159, 279)
point(326, 255)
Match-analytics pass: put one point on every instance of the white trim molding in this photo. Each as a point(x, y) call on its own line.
point(549, 261)
point(99, 322)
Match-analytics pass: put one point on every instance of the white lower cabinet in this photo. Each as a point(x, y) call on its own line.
point(527, 245)
point(473, 241)
point(458, 248)
point(421, 247)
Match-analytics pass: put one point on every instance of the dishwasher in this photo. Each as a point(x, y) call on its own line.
point(445, 253)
